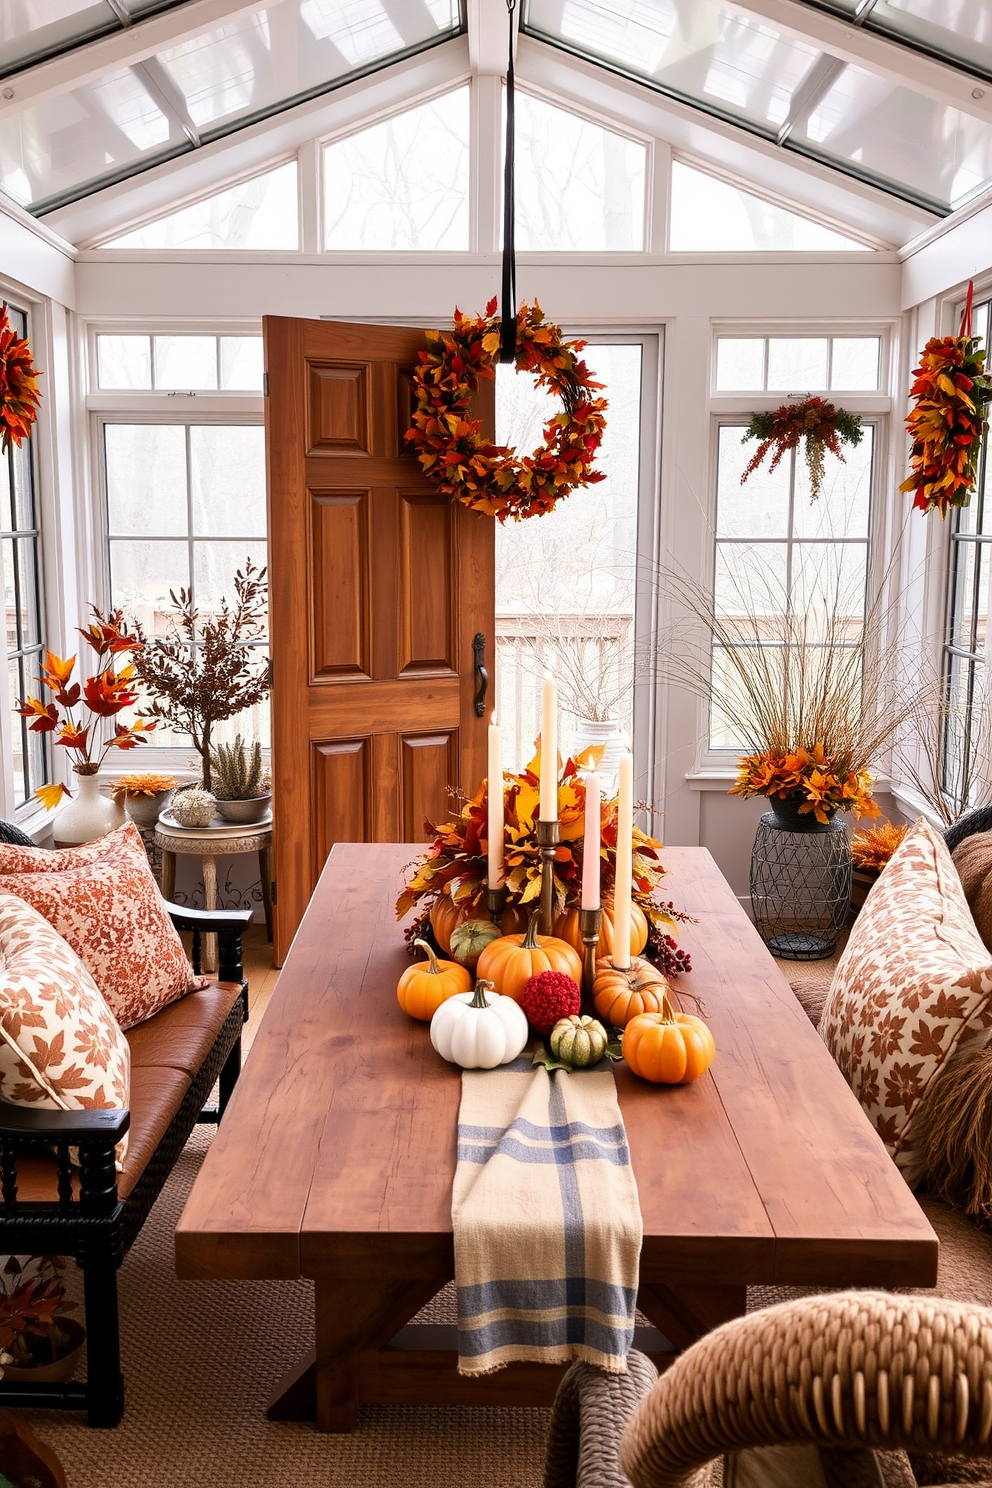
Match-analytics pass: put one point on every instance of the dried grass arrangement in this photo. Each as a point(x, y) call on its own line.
point(872, 847)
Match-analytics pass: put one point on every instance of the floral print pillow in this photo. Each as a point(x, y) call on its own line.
point(103, 900)
point(914, 985)
point(60, 1045)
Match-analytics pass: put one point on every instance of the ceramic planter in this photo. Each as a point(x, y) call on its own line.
point(144, 811)
point(245, 812)
point(88, 815)
point(63, 1367)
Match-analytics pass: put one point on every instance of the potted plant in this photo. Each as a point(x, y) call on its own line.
point(240, 784)
point(40, 1342)
point(204, 669)
point(104, 695)
point(145, 796)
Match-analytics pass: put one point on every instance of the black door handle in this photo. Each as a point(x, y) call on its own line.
point(481, 674)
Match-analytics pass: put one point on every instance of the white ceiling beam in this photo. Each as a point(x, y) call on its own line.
point(488, 35)
point(84, 64)
point(900, 64)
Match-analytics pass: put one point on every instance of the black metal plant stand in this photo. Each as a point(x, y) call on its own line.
point(800, 885)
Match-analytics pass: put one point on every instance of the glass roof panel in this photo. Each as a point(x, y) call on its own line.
point(958, 29)
point(891, 134)
point(713, 216)
point(260, 213)
point(92, 134)
point(71, 145)
point(702, 52)
point(36, 28)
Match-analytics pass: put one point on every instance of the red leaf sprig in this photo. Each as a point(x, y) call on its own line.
point(19, 396)
point(488, 477)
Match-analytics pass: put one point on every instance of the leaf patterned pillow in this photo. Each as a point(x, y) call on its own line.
point(60, 1045)
point(103, 900)
point(914, 985)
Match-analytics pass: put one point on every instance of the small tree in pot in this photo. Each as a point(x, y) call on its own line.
point(203, 672)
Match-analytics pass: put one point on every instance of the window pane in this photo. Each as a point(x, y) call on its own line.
point(24, 515)
point(146, 478)
point(855, 364)
point(241, 363)
point(261, 214)
point(709, 215)
point(21, 552)
point(579, 187)
point(740, 364)
point(227, 480)
point(842, 508)
point(957, 754)
point(186, 363)
point(403, 184)
point(797, 364)
point(30, 30)
point(214, 567)
point(759, 507)
point(751, 588)
point(19, 688)
point(828, 587)
point(965, 555)
point(141, 575)
point(124, 361)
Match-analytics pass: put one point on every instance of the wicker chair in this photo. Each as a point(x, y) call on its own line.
point(867, 1377)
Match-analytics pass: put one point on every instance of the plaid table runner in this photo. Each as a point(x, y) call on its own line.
point(546, 1221)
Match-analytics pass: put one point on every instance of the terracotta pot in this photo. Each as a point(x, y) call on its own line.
point(63, 1368)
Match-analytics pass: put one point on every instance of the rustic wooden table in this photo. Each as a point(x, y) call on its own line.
point(336, 1156)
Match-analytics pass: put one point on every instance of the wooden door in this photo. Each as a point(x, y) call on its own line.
point(378, 587)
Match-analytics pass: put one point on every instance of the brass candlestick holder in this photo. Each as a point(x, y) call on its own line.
point(548, 838)
point(589, 923)
point(495, 900)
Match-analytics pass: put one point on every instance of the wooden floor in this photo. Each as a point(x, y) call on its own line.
point(262, 976)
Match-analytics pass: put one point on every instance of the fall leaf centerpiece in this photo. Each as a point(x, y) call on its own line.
point(814, 783)
point(104, 696)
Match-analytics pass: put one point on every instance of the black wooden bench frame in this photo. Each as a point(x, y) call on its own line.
point(96, 1227)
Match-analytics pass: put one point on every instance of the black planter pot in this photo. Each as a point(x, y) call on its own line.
point(800, 883)
point(787, 815)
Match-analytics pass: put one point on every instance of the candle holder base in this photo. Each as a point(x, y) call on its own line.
point(548, 838)
point(589, 924)
point(495, 902)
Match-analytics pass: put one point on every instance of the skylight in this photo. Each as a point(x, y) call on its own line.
point(713, 216)
point(258, 214)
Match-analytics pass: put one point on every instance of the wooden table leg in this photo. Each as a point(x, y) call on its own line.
point(168, 874)
point(210, 957)
point(685, 1313)
point(265, 868)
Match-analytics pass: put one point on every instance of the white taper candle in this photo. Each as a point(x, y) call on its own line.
point(623, 881)
point(549, 750)
point(591, 844)
point(495, 825)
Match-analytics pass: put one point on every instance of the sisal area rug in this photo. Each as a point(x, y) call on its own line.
point(200, 1360)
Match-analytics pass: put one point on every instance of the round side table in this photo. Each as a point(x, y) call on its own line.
point(221, 839)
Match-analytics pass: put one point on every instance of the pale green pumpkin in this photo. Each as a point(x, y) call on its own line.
point(578, 1041)
point(470, 938)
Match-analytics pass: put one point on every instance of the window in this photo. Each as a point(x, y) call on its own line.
point(778, 553)
point(965, 730)
point(713, 216)
point(403, 184)
point(579, 187)
point(21, 541)
point(258, 214)
point(787, 364)
point(186, 363)
point(185, 507)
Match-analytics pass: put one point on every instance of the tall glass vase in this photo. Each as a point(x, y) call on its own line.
point(800, 883)
point(89, 814)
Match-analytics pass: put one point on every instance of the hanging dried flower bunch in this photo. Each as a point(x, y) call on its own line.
point(818, 422)
point(947, 422)
point(19, 396)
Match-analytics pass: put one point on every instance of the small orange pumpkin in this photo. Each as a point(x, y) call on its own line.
point(621, 993)
point(422, 988)
point(510, 961)
point(667, 1047)
point(445, 916)
point(567, 928)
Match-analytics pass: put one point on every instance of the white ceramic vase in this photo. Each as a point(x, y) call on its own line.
point(88, 815)
point(611, 736)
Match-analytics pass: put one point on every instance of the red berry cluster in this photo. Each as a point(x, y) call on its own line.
point(548, 997)
point(663, 951)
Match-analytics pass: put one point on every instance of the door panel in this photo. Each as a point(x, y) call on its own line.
point(378, 586)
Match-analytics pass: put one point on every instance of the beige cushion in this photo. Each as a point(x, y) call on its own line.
point(60, 1045)
point(913, 985)
point(973, 860)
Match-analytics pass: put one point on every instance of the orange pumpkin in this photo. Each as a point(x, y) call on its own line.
point(422, 988)
point(667, 1047)
point(511, 960)
point(567, 928)
point(445, 916)
point(621, 993)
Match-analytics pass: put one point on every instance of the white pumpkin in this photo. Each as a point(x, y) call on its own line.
point(478, 1030)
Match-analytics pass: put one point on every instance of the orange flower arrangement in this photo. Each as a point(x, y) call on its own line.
point(105, 694)
point(489, 477)
point(19, 396)
point(818, 783)
point(872, 848)
point(144, 784)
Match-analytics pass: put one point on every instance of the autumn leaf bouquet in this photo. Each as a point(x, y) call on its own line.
point(104, 695)
point(948, 422)
point(814, 782)
point(453, 870)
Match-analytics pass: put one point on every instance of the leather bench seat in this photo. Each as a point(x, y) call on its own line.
point(167, 1051)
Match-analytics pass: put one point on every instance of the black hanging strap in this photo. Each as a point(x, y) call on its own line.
point(508, 295)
